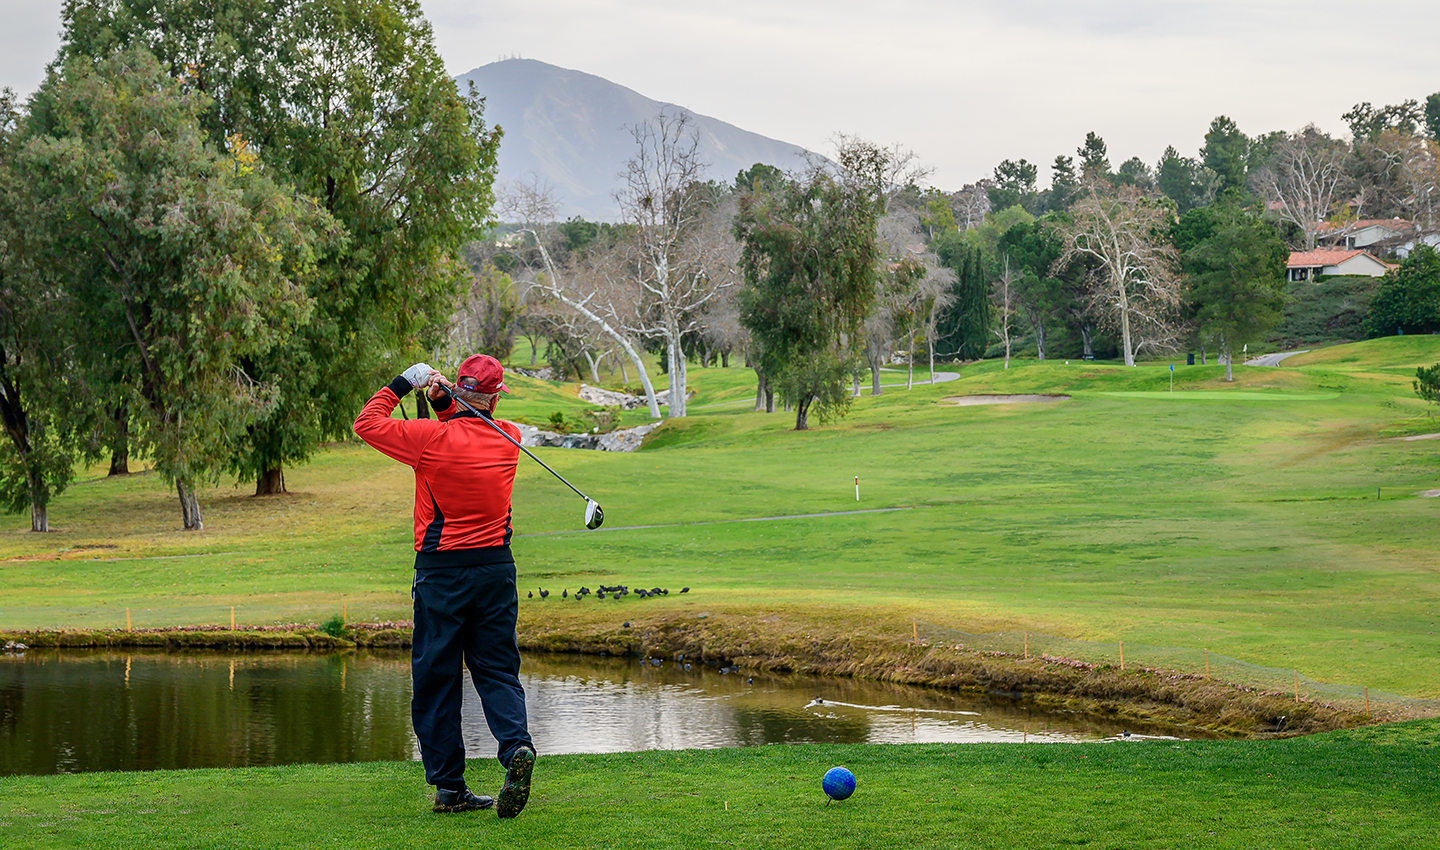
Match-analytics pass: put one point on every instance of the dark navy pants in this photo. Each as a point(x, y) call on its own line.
point(465, 614)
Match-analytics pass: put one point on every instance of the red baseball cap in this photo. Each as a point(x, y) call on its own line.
point(485, 372)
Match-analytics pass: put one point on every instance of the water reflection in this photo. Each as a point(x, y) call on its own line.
point(593, 705)
point(86, 710)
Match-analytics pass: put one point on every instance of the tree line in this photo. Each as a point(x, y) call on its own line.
point(220, 228)
point(817, 289)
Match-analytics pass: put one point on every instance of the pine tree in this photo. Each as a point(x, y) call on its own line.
point(962, 330)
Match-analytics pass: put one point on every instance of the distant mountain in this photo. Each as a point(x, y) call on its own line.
point(571, 129)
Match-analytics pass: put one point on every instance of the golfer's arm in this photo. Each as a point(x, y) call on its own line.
point(402, 441)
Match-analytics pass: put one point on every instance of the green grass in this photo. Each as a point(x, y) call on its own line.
point(1275, 520)
point(1127, 513)
point(1371, 788)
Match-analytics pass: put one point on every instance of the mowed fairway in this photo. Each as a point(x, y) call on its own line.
point(1276, 520)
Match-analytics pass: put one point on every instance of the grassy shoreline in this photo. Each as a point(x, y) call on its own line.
point(817, 646)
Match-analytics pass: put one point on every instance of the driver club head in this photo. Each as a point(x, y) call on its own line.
point(594, 517)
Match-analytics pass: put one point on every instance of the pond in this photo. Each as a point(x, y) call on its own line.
point(66, 711)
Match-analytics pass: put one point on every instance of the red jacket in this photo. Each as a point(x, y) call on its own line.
point(464, 474)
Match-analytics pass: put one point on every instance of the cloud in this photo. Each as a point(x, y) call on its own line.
point(964, 83)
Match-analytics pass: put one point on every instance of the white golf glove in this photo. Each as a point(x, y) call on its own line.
point(418, 375)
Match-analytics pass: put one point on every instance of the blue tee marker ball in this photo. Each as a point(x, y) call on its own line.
point(838, 783)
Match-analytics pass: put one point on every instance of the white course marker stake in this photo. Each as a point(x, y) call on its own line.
point(857, 488)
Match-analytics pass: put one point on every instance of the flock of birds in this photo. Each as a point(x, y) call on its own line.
point(682, 664)
point(603, 592)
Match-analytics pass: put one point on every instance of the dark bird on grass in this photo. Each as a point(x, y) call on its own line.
point(565, 594)
point(530, 595)
point(600, 594)
point(750, 681)
point(684, 590)
point(687, 667)
point(544, 593)
point(625, 625)
point(654, 662)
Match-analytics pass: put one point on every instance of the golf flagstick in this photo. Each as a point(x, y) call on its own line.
point(594, 516)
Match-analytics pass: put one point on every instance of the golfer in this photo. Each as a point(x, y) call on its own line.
point(464, 589)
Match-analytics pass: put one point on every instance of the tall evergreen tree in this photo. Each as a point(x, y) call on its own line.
point(1014, 186)
point(181, 261)
point(1226, 152)
point(349, 102)
point(962, 329)
point(1185, 181)
point(1064, 184)
point(1236, 266)
point(1094, 160)
point(809, 257)
point(41, 411)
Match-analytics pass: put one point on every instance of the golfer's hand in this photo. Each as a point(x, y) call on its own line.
point(418, 375)
point(437, 380)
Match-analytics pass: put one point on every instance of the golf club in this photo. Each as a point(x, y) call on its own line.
point(594, 516)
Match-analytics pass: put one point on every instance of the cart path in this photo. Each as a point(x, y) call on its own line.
point(1274, 359)
point(723, 521)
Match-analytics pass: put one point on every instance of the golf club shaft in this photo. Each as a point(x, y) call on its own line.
point(501, 432)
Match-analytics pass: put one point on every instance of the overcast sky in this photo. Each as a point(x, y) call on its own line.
point(963, 83)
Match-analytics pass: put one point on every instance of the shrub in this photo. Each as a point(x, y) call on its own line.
point(1427, 384)
point(603, 420)
point(1331, 308)
point(1409, 297)
point(557, 423)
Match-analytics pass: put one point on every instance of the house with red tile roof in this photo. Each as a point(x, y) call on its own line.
point(1362, 233)
point(1305, 265)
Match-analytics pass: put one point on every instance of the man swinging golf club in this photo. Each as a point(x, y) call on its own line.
point(464, 588)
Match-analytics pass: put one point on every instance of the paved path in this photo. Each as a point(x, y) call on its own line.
point(1273, 359)
point(723, 521)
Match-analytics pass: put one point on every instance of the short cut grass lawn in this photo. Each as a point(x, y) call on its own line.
point(1362, 789)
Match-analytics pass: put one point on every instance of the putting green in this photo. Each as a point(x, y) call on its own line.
point(1223, 395)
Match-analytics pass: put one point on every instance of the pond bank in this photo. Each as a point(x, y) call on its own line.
point(769, 642)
